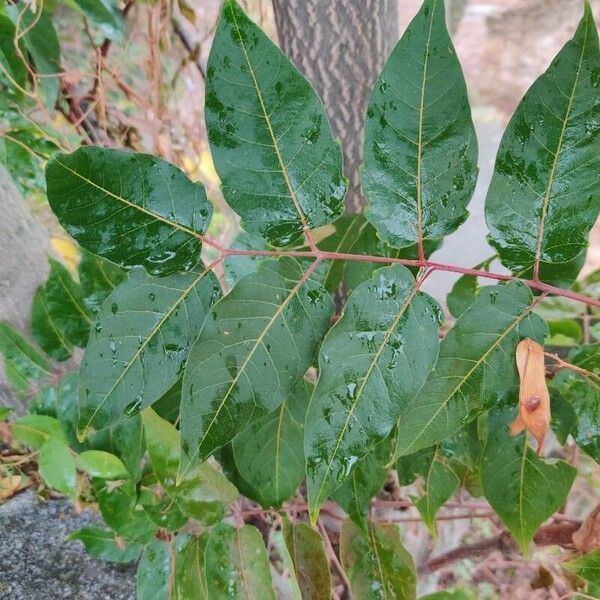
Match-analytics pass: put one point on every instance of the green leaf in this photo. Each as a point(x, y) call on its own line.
point(238, 266)
point(204, 493)
point(441, 482)
point(412, 466)
point(98, 278)
point(168, 405)
point(140, 343)
point(420, 164)
point(366, 479)
point(582, 390)
point(311, 565)
point(476, 367)
point(41, 42)
point(237, 565)
point(4, 412)
point(23, 365)
point(566, 332)
point(97, 463)
point(371, 363)
point(57, 466)
point(133, 209)
point(543, 198)
point(190, 577)
point(62, 310)
point(457, 594)
point(36, 430)
point(118, 503)
point(269, 455)
point(153, 579)
point(11, 62)
point(272, 145)
point(348, 229)
point(106, 15)
point(255, 344)
point(563, 416)
point(104, 545)
point(464, 290)
point(521, 487)
point(587, 567)
point(46, 331)
point(377, 563)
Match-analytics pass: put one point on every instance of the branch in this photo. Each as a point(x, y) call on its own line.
point(555, 534)
point(425, 264)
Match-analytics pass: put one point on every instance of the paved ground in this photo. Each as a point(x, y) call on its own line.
point(36, 564)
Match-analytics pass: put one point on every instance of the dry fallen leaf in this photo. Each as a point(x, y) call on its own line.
point(9, 485)
point(534, 400)
point(587, 537)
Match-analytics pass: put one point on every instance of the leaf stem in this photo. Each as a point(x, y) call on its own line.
point(316, 253)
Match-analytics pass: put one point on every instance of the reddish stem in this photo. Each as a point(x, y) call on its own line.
point(427, 264)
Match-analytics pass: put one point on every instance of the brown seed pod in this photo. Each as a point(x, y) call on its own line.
point(534, 400)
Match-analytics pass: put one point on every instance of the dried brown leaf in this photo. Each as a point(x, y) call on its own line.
point(534, 400)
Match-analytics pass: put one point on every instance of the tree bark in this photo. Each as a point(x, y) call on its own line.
point(341, 46)
point(24, 245)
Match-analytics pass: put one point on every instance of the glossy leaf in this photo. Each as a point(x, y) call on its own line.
point(140, 343)
point(272, 145)
point(522, 488)
point(57, 466)
point(118, 503)
point(269, 455)
point(64, 308)
point(23, 364)
point(420, 163)
point(168, 405)
point(133, 209)
point(464, 290)
point(104, 545)
point(190, 577)
point(106, 15)
point(377, 563)
point(98, 278)
point(366, 479)
point(154, 580)
point(97, 463)
point(544, 198)
point(441, 483)
point(256, 343)
point(372, 362)
point(204, 493)
point(582, 390)
point(238, 266)
point(237, 565)
point(476, 367)
point(46, 331)
point(310, 561)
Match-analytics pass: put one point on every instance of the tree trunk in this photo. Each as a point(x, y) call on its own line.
point(341, 46)
point(24, 245)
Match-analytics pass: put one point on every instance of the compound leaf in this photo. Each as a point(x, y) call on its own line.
point(420, 164)
point(237, 565)
point(256, 343)
point(372, 362)
point(544, 196)
point(377, 563)
point(140, 343)
point(476, 367)
point(269, 455)
point(133, 209)
point(272, 145)
point(311, 565)
point(522, 488)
